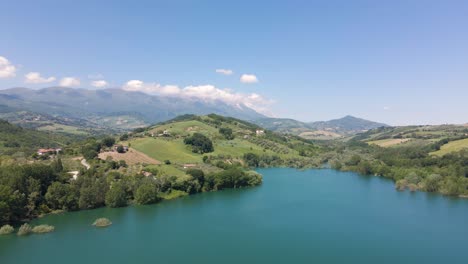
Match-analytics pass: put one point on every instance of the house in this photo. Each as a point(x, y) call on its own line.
point(260, 132)
point(48, 151)
point(165, 133)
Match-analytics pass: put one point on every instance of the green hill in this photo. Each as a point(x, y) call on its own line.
point(165, 141)
point(16, 139)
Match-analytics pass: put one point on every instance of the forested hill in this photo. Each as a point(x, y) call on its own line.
point(16, 139)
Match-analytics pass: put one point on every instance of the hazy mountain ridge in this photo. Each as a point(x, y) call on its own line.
point(94, 105)
point(335, 128)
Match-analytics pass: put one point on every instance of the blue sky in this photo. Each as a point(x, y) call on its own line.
point(399, 62)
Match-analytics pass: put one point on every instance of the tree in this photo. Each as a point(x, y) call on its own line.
point(108, 141)
point(62, 196)
point(251, 159)
point(116, 196)
point(124, 137)
point(227, 133)
point(432, 182)
point(197, 175)
point(57, 165)
point(146, 194)
point(200, 143)
point(120, 149)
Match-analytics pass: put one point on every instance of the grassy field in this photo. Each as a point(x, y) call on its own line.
point(187, 127)
point(63, 129)
point(131, 157)
point(452, 146)
point(166, 149)
point(389, 142)
point(173, 148)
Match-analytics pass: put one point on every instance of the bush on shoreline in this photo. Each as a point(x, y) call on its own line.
point(41, 229)
point(6, 229)
point(102, 222)
point(24, 230)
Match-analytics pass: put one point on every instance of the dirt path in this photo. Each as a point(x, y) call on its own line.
point(86, 164)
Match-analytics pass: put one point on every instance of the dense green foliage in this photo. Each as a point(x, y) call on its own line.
point(200, 143)
point(15, 139)
point(117, 195)
point(227, 133)
point(410, 166)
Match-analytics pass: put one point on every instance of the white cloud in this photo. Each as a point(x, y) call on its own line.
point(69, 82)
point(224, 71)
point(386, 108)
point(7, 70)
point(35, 77)
point(248, 78)
point(151, 88)
point(99, 84)
point(202, 92)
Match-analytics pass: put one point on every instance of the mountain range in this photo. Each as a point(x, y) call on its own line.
point(112, 108)
point(83, 111)
point(331, 129)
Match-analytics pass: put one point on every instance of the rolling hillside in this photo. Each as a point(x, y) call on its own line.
point(15, 139)
point(165, 142)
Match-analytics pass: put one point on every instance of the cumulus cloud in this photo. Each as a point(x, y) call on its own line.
point(202, 92)
point(7, 70)
point(224, 71)
point(70, 82)
point(35, 77)
point(248, 78)
point(151, 88)
point(99, 83)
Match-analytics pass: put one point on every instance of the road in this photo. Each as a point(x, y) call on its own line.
point(86, 164)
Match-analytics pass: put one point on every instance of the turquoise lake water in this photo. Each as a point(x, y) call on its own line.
point(311, 216)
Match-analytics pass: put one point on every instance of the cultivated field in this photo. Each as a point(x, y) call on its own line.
point(452, 146)
point(132, 157)
point(389, 142)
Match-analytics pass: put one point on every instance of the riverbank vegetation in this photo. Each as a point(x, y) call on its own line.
point(6, 229)
point(41, 229)
point(211, 153)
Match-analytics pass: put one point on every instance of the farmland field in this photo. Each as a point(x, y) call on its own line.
point(389, 142)
point(452, 146)
point(131, 157)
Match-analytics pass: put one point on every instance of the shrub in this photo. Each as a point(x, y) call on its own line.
point(200, 143)
point(120, 149)
point(40, 229)
point(24, 230)
point(102, 222)
point(146, 194)
point(6, 229)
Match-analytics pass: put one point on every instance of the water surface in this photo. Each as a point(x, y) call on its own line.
point(312, 216)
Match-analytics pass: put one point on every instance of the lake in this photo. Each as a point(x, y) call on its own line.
point(311, 216)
